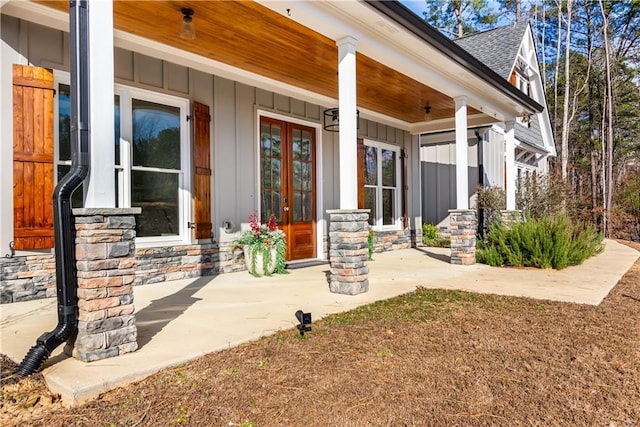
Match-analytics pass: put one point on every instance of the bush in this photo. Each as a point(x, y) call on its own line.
point(546, 195)
point(490, 202)
point(431, 237)
point(548, 242)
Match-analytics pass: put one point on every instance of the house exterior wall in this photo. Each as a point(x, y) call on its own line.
point(438, 173)
point(234, 109)
point(493, 157)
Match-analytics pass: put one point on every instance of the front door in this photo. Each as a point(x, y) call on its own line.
point(287, 183)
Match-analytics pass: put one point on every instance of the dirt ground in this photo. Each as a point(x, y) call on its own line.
point(426, 358)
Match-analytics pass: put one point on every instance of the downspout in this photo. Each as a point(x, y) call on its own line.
point(66, 282)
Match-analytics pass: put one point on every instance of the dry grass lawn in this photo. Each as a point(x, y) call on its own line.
point(431, 357)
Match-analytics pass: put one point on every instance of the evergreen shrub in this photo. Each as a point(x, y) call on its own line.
point(431, 237)
point(546, 242)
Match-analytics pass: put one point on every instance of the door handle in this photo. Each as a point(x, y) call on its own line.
point(286, 208)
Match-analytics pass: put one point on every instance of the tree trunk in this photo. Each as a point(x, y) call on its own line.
point(565, 113)
point(556, 75)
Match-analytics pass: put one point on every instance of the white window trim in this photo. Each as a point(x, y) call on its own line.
point(397, 225)
point(126, 94)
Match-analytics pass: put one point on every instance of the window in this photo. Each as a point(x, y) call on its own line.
point(381, 182)
point(151, 143)
point(63, 154)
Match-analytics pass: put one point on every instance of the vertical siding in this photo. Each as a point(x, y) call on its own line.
point(493, 161)
point(438, 175)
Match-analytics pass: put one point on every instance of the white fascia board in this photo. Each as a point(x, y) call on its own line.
point(543, 117)
point(390, 44)
point(531, 147)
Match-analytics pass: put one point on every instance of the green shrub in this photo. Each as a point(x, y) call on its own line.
point(490, 201)
point(547, 242)
point(431, 237)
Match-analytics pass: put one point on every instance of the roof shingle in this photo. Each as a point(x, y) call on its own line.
point(497, 48)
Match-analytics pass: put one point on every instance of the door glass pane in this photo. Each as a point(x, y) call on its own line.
point(64, 123)
point(306, 146)
point(156, 135)
point(370, 166)
point(271, 170)
point(276, 141)
point(388, 206)
point(306, 176)
point(306, 206)
point(297, 174)
point(265, 139)
point(276, 173)
point(296, 144)
point(297, 206)
point(157, 194)
point(388, 168)
point(370, 203)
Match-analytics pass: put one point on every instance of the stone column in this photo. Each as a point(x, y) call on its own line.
point(464, 225)
point(105, 265)
point(348, 251)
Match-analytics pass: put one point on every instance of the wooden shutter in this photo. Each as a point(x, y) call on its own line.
point(202, 168)
point(32, 157)
point(360, 173)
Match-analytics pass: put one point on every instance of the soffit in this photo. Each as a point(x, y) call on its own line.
point(251, 37)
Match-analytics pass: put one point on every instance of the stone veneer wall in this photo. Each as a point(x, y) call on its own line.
point(27, 277)
point(510, 217)
point(384, 241)
point(33, 276)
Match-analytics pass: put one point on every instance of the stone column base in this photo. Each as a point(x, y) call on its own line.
point(348, 251)
point(464, 225)
point(105, 262)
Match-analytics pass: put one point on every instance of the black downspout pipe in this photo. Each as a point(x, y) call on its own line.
point(66, 282)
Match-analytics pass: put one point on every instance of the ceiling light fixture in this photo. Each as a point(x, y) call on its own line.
point(188, 29)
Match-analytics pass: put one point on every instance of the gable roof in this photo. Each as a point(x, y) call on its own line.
point(497, 48)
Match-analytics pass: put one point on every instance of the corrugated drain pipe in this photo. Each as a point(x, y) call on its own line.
point(66, 282)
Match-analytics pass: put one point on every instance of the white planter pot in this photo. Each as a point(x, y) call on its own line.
point(259, 261)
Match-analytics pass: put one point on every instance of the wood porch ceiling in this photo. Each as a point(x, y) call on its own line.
point(246, 35)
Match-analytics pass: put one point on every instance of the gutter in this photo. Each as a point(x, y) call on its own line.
point(418, 27)
point(66, 280)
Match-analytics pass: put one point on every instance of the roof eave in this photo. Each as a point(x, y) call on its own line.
point(411, 22)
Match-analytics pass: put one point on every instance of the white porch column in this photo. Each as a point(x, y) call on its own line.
point(462, 162)
point(510, 165)
point(100, 193)
point(348, 122)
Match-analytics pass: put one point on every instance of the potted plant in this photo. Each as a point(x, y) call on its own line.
point(264, 246)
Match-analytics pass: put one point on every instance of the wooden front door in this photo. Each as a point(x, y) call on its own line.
point(287, 183)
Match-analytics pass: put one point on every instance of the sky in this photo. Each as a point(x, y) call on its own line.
point(417, 6)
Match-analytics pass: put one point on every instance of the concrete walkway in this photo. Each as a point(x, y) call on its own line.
point(182, 320)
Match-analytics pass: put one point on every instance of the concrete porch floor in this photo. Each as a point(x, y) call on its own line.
point(181, 320)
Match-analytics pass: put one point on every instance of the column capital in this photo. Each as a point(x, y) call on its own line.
point(347, 41)
point(461, 100)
